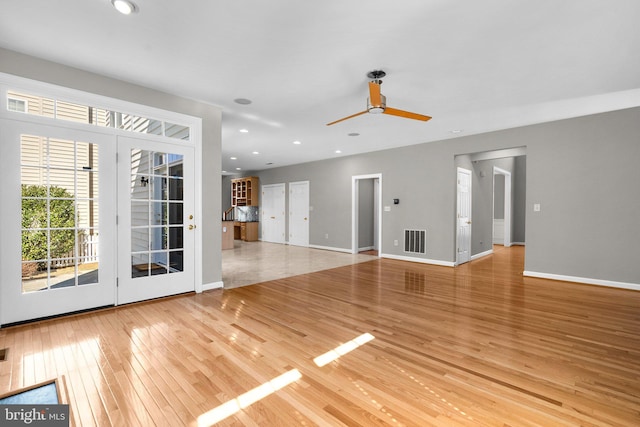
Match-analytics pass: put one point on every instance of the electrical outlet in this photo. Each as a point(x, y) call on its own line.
point(395, 243)
point(536, 207)
point(326, 236)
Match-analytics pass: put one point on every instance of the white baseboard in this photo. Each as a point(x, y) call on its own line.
point(328, 248)
point(368, 248)
point(585, 280)
point(213, 285)
point(481, 254)
point(421, 260)
point(517, 243)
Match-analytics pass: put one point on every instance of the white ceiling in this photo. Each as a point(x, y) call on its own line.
point(475, 66)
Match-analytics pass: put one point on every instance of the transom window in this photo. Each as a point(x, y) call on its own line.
point(80, 113)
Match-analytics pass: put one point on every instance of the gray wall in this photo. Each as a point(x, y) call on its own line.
point(45, 71)
point(582, 171)
point(226, 192)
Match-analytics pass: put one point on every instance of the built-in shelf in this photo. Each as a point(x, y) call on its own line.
point(245, 191)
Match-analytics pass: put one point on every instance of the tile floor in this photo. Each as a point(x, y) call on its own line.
point(254, 262)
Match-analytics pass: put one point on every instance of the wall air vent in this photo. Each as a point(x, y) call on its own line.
point(415, 241)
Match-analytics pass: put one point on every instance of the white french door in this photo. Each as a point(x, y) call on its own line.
point(57, 216)
point(156, 219)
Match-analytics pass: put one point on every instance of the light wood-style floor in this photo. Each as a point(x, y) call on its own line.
point(466, 346)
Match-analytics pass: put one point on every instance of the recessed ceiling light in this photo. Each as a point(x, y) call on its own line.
point(124, 6)
point(242, 101)
point(224, 171)
point(233, 158)
point(456, 131)
point(353, 134)
point(255, 152)
point(269, 164)
point(338, 151)
point(238, 169)
point(244, 131)
point(297, 142)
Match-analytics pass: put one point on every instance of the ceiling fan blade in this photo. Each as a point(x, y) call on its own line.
point(349, 117)
point(406, 114)
point(374, 94)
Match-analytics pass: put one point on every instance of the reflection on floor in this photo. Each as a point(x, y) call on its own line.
point(255, 262)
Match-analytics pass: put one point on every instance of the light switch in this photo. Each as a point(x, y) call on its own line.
point(387, 208)
point(536, 207)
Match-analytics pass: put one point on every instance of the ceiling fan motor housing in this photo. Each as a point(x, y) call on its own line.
point(377, 109)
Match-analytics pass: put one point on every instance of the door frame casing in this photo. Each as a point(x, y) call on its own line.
point(470, 173)
point(13, 82)
point(507, 203)
point(354, 209)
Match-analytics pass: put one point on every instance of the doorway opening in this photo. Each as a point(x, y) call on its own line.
point(501, 207)
point(366, 224)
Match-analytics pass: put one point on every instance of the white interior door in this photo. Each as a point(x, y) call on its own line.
point(463, 235)
point(58, 205)
point(299, 213)
point(273, 209)
point(156, 223)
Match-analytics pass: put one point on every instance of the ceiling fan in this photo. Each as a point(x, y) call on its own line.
point(377, 103)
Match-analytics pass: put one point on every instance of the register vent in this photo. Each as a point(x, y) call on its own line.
point(415, 241)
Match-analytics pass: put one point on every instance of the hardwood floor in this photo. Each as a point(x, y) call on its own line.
point(473, 345)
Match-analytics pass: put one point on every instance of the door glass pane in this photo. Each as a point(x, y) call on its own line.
point(139, 265)
point(139, 239)
point(175, 238)
point(139, 213)
point(59, 212)
point(158, 238)
point(158, 213)
point(176, 261)
point(175, 213)
point(158, 263)
point(153, 242)
point(175, 189)
point(158, 188)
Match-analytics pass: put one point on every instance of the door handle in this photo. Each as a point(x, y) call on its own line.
point(191, 226)
point(305, 218)
point(273, 217)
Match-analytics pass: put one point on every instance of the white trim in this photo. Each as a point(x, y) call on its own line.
point(482, 254)
point(212, 285)
point(507, 203)
point(368, 248)
point(583, 280)
point(328, 248)
point(354, 209)
point(49, 90)
point(420, 260)
point(517, 243)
